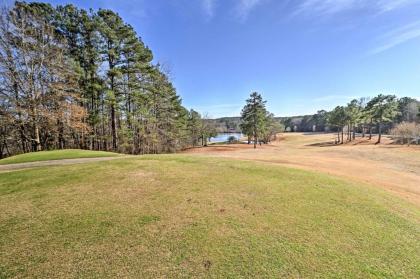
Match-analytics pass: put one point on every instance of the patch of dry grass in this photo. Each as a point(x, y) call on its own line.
point(394, 168)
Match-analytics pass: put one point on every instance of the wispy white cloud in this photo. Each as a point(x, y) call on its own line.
point(326, 7)
point(244, 8)
point(241, 8)
point(208, 7)
point(330, 7)
point(389, 5)
point(398, 36)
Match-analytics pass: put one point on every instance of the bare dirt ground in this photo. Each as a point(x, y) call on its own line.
point(392, 167)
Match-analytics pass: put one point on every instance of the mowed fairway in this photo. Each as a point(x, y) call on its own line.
point(183, 216)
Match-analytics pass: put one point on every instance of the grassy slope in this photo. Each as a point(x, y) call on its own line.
point(180, 216)
point(55, 155)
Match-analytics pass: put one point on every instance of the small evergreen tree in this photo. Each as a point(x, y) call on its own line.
point(254, 117)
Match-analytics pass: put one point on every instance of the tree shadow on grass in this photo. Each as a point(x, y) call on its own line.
point(323, 144)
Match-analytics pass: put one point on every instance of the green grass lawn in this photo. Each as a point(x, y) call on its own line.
point(55, 155)
point(177, 216)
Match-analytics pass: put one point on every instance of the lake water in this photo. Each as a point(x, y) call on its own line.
point(222, 137)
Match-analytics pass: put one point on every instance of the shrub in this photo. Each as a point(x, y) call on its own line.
point(406, 132)
point(232, 139)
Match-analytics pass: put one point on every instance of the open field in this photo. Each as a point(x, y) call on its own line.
point(139, 217)
point(175, 199)
point(55, 155)
point(225, 211)
point(395, 168)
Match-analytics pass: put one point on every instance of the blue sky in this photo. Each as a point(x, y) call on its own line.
point(302, 55)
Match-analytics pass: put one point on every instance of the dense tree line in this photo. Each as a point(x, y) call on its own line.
point(71, 78)
point(365, 115)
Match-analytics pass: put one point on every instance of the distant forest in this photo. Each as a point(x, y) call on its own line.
point(406, 109)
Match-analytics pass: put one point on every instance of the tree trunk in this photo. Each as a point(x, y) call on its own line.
point(255, 141)
point(1, 150)
point(112, 85)
point(342, 135)
point(349, 132)
point(60, 136)
point(7, 149)
point(113, 128)
point(379, 132)
point(37, 140)
point(23, 138)
point(19, 114)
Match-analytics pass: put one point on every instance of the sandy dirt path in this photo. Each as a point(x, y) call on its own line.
point(391, 167)
point(29, 165)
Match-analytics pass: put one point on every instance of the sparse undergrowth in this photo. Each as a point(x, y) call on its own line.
point(181, 216)
point(55, 155)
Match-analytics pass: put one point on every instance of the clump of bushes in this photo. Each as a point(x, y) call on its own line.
point(407, 132)
point(232, 139)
